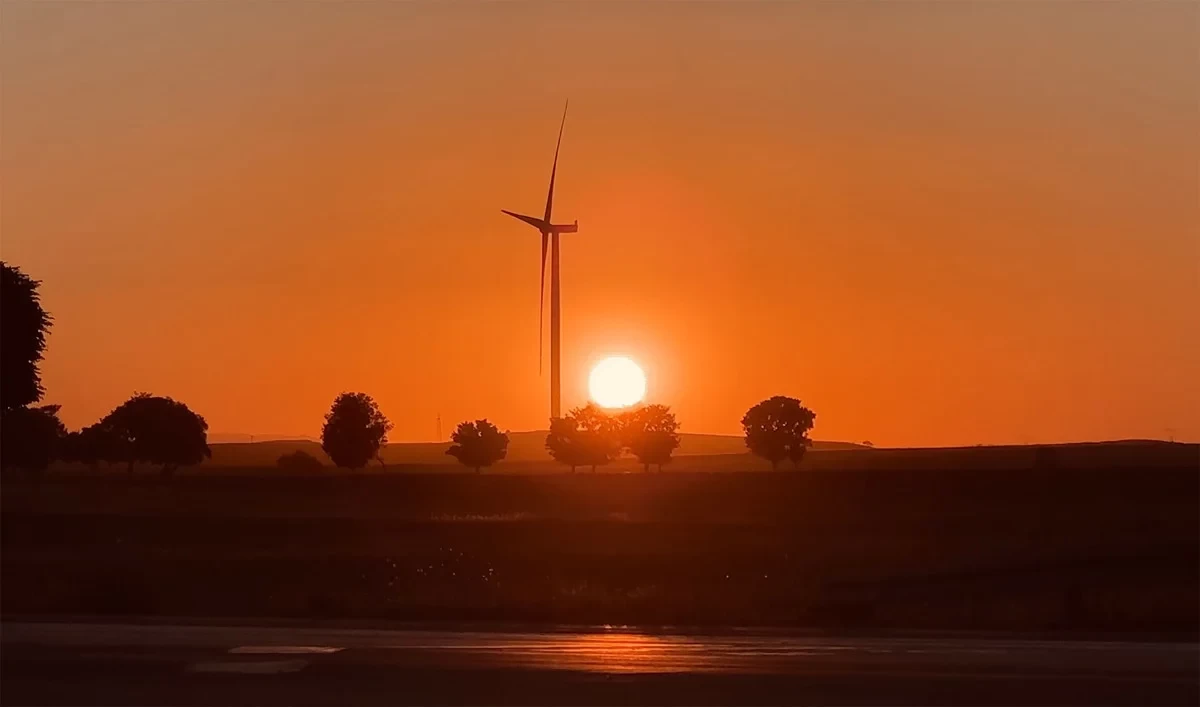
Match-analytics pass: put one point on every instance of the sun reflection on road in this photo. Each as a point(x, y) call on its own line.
point(617, 653)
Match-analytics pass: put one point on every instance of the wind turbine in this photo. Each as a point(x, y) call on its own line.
point(550, 232)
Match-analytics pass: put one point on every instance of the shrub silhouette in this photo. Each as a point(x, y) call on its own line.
point(298, 461)
point(650, 433)
point(153, 430)
point(23, 328)
point(478, 444)
point(31, 438)
point(354, 431)
point(777, 429)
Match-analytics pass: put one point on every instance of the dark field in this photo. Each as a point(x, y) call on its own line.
point(1073, 550)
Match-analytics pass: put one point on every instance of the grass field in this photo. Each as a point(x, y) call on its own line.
point(1075, 549)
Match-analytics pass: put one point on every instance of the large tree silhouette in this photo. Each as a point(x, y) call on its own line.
point(354, 431)
point(565, 444)
point(597, 435)
point(151, 429)
point(777, 429)
point(478, 444)
point(31, 437)
point(94, 444)
point(23, 328)
point(651, 433)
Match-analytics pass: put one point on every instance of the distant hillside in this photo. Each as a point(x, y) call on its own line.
point(522, 447)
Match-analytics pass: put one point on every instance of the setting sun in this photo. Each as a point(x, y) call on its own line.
point(617, 382)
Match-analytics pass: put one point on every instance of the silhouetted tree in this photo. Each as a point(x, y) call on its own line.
point(796, 451)
point(777, 429)
point(354, 431)
point(94, 444)
point(564, 442)
point(299, 461)
point(154, 430)
point(23, 328)
point(651, 433)
point(599, 434)
point(31, 437)
point(478, 444)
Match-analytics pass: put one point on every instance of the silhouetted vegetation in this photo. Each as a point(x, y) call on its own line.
point(478, 444)
point(777, 429)
point(587, 436)
point(93, 445)
point(354, 431)
point(564, 442)
point(31, 437)
point(650, 433)
point(299, 461)
point(600, 433)
point(147, 429)
point(23, 328)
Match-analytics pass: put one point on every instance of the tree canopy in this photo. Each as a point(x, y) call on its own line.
point(478, 444)
point(354, 430)
point(564, 442)
point(587, 436)
point(599, 433)
point(777, 429)
point(94, 444)
point(31, 437)
point(650, 433)
point(151, 429)
point(23, 328)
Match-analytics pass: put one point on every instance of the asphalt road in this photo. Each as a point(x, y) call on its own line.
point(60, 664)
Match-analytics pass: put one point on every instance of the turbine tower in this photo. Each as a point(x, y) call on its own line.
point(550, 232)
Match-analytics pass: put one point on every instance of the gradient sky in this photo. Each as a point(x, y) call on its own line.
point(936, 223)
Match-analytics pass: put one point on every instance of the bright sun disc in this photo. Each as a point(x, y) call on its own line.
point(617, 382)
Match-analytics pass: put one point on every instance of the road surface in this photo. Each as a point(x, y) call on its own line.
point(110, 664)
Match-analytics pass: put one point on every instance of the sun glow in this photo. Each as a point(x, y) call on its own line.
point(617, 382)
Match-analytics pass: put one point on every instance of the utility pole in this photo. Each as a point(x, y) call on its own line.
point(439, 427)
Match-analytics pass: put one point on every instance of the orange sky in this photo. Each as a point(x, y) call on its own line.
point(936, 223)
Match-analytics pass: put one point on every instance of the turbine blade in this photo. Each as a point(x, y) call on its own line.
point(535, 222)
point(554, 169)
point(542, 300)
